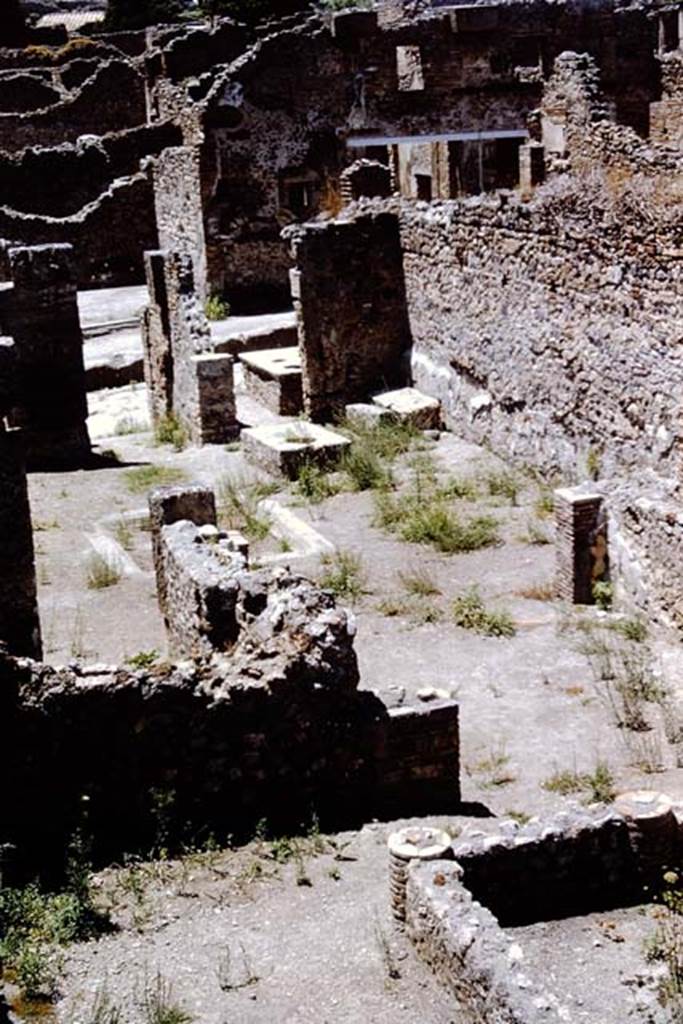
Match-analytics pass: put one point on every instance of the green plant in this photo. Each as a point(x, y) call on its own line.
point(470, 612)
point(630, 629)
point(158, 1006)
point(312, 483)
point(298, 434)
point(365, 469)
point(602, 593)
point(169, 430)
point(238, 501)
point(598, 784)
point(544, 505)
point(493, 768)
point(418, 582)
point(564, 782)
point(666, 945)
point(623, 678)
point(34, 925)
point(101, 573)
point(145, 478)
point(344, 575)
point(128, 425)
point(429, 520)
point(505, 485)
point(216, 308)
point(123, 534)
point(143, 659)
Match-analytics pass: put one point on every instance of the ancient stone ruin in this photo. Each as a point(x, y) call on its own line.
point(341, 537)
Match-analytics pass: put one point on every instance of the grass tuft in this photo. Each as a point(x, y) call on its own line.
point(145, 478)
point(344, 575)
point(101, 573)
point(469, 612)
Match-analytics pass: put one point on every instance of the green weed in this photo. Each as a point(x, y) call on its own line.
point(469, 612)
point(344, 575)
point(145, 478)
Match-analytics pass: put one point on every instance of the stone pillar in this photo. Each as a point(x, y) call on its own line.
point(406, 845)
point(581, 545)
point(214, 420)
point(40, 312)
point(19, 621)
point(156, 339)
point(169, 505)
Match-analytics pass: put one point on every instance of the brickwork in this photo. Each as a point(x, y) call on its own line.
point(581, 544)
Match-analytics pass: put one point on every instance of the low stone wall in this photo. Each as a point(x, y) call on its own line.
point(272, 728)
point(576, 863)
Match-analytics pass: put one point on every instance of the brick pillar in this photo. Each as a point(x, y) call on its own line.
point(169, 505)
point(19, 621)
point(41, 314)
point(581, 544)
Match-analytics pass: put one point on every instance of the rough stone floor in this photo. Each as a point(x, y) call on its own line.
point(325, 951)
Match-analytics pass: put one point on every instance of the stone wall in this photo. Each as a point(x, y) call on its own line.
point(60, 181)
point(350, 303)
point(547, 330)
point(40, 312)
point(19, 622)
point(109, 235)
point(111, 100)
point(275, 728)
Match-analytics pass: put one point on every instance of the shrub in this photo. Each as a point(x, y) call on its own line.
point(602, 594)
point(418, 582)
point(598, 784)
point(470, 613)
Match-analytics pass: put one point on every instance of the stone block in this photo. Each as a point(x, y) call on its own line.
point(410, 406)
point(273, 378)
point(283, 448)
point(215, 420)
point(365, 415)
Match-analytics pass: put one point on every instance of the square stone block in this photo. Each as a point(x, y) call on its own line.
point(282, 448)
point(410, 406)
point(273, 378)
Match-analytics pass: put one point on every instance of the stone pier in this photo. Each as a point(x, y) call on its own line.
point(40, 312)
point(19, 621)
